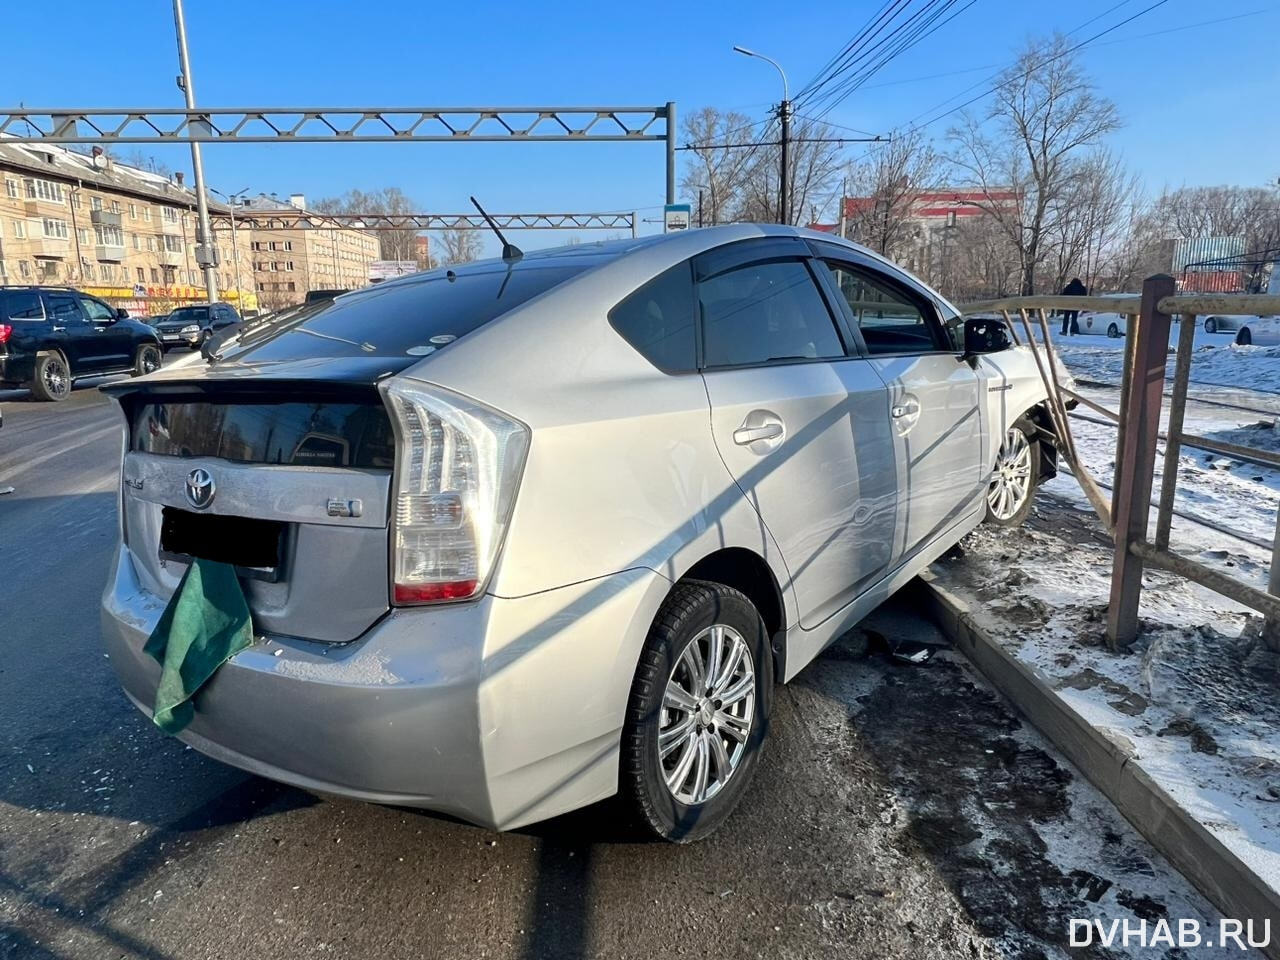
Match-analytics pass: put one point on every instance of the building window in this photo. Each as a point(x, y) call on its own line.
point(289, 265)
point(191, 277)
point(170, 215)
point(137, 242)
point(142, 275)
point(87, 268)
point(11, 188)
point(288, 244)
point(95, 203)
point(115, 206)
point(19, 229)
point(83, 236)
point(44, 190)
point(55, 229)
point(146, 214)
point(170, 274)
point(75, 199)
point(155, 275)
point(151, 244)
point(109, 235)
point(133, 211)
point(172, 244)
point(24, 268)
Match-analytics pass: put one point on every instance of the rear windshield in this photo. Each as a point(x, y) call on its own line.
point(399, 319)
point(189, 314)
point(321, 434)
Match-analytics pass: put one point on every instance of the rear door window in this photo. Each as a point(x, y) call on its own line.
point(765, 313)
point(20, 305)
point(64, 308)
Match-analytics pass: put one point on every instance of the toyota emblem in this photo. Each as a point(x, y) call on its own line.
point(200, 488)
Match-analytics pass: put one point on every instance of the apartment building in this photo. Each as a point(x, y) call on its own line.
point(289, 260)
point(117, 231)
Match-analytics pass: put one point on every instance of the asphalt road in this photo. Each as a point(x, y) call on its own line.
point(900, 811)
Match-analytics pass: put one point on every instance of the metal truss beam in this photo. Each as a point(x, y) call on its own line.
point(334, 124)
point(284, 220)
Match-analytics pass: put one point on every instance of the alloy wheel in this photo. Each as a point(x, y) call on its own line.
point(1011, 483)
point(149, 361)
point(56, 379)
point(707, 711)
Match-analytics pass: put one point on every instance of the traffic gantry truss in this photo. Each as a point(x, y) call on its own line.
point(284, 220)
point(105, 125)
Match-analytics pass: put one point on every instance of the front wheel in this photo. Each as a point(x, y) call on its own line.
point(698, 712)
point(146, 359)
point(1113, 331)
point(1013, 483)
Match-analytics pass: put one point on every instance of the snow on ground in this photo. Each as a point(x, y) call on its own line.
point(1215, 360)
point(1194, 702)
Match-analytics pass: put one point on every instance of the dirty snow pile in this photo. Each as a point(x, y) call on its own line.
point(1195, 702)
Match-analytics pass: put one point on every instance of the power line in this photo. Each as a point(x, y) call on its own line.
point(1005, 82)
point(831, 65)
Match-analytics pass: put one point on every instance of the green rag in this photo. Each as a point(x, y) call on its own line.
point(205, 624)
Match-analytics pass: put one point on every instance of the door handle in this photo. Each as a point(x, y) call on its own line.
point(908, 409)
point(59, 329)
point(745, 435)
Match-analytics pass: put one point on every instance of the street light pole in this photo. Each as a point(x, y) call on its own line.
point(784, 116)
point(206, 252)
point(235, 248)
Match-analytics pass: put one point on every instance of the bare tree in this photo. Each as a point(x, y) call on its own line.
point(813, 165)
point(714, 174)
point(1091, 217)
point(459, 245)
point(1225, 211)
point(1044, 110)
point(393, 244)
point(886, 184)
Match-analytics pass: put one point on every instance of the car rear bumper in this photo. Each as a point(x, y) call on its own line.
point(17, 369)
point(500, 712)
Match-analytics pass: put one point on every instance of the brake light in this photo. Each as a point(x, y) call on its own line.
point(458, 465)
point(6, 331)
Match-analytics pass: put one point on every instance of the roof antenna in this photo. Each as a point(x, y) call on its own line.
point(510, 252)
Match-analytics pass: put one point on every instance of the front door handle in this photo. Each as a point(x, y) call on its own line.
point(908, 409)
point(59, 329)
point(744, 435)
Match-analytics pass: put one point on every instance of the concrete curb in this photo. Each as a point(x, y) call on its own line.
point(1196, 853)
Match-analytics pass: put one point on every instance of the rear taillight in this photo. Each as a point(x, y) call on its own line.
point(458, 465)
point(6, 331)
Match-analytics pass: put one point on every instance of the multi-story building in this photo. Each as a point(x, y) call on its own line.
point(117, 231)
point(289, 260)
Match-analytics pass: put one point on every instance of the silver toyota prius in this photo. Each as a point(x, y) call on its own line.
point(520, 535)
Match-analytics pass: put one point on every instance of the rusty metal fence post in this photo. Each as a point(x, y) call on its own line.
point(1135, 465)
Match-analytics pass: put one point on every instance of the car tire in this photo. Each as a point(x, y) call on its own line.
point(1113, 331)
point(1211, 325)
point(1244, 338)
point(52, 379)
point(1017, 461)
point(695, 616)
point(147, 359)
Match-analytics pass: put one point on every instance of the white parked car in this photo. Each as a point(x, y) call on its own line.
point(1262, 331)
point(1106, 324)
point(1222, 324)
point(518, 536)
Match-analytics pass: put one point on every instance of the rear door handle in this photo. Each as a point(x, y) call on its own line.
point(745, 435)
point(900, 410)
point(59, 329)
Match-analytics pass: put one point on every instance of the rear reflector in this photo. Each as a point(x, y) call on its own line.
point(407, 593)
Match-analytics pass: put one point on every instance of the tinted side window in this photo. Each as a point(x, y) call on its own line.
point(658, 320)
point(890, 321)
point(63, 308)
point(96, 310)
point(765, 312)
point(21, 305)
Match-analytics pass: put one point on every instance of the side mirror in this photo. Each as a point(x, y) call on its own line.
point(122, 313)
point(985, 336)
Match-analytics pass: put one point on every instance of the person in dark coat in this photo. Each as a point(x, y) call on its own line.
point(1070, 317)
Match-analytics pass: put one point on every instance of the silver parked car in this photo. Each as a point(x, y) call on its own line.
point(518, 536)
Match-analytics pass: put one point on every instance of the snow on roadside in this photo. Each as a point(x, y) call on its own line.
point(1224, 364)
point(1195, 701)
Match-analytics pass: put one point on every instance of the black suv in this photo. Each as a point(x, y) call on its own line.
point(192, 326)
point(49, 336)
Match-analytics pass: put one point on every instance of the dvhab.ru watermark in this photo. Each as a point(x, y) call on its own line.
point(1227, 934)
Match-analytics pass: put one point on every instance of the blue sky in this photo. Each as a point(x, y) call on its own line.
point(1220, 80)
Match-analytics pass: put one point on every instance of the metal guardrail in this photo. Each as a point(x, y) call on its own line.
point(1138, 429)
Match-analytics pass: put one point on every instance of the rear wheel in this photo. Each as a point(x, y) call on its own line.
point(1113, 331)
point(147, 359)
point(52, 380)
point(1017, 472)
point(1244, 338)
point(698, 712)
